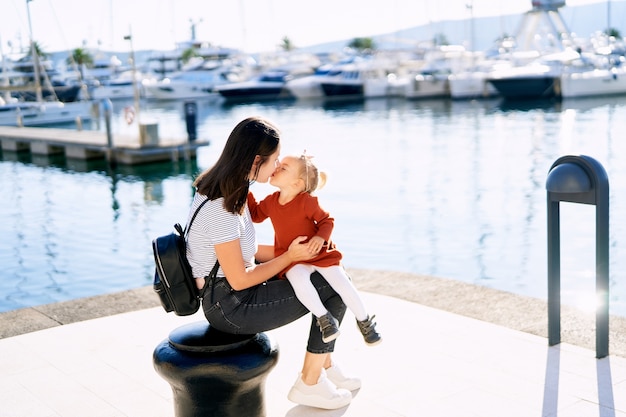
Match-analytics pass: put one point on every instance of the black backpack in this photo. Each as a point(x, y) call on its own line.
point(173, 280)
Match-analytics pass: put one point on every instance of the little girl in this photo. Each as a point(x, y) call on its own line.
point(295, 212)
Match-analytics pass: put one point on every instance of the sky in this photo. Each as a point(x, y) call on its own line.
point(248, 25)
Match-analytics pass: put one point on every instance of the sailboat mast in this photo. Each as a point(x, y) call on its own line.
point(34, 55)
point(129, 38)
point(5, 76)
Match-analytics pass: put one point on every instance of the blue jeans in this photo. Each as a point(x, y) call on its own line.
point(268, 306)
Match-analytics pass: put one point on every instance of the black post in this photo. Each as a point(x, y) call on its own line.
point(579, 179)
point(107, 105)
point(215, 374)
point(191, 113)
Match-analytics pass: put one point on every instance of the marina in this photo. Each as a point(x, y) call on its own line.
point(445, 188)
point(434, 170)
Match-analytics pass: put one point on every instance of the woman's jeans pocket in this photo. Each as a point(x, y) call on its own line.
point(222, 305)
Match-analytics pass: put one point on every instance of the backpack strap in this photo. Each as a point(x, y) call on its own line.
point(186, 230)
point(211, 277)
point(184, 233)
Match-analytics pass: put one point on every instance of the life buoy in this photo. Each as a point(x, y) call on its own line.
point(129, 114)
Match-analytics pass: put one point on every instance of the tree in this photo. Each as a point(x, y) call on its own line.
point(286, 44)
point(362, 44)
point(188, 54)
point(80, 57)
point(613, 33)
point(440, 40)
point(38, 50)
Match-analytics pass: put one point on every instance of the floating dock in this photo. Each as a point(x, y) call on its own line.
point(146, 147)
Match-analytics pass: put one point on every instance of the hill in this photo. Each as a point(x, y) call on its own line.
point(581, 20)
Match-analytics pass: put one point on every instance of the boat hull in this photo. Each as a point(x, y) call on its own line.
point(254, 91)
point(427, 87)
point(43, 114)
point(65, 94)
point(180, 92)
point(526, 87)
point(471, 85)
point(593, 83)
point(339, 89)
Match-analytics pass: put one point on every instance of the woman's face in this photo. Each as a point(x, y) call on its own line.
point(267, 168)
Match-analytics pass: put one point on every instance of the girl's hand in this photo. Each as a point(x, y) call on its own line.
point(316, 244)
point(298, 252)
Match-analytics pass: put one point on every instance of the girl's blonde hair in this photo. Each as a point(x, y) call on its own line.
point(312, 177)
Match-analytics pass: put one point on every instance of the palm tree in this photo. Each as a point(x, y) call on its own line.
point(82, 58)
point(37, 49)
point(613, 33)
point(286, 44)
point(188, 54)
point(362, 44)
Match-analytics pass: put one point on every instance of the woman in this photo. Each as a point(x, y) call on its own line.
point(243, 299)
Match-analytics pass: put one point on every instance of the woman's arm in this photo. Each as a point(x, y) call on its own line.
point(231, 260)
point(265, 253)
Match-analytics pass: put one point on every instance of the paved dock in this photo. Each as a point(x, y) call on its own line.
point(432, 362)
point(146, 147)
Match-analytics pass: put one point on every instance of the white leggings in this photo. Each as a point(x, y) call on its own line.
point(299, 278)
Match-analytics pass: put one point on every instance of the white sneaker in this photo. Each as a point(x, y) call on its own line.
point(324, 394)
point(337, 377)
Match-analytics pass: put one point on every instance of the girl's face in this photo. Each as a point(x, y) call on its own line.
point(267, 168)
point(287, 173)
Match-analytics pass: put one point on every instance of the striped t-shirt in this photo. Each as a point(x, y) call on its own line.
point(214, 225)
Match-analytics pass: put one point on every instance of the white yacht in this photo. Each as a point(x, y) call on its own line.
point(196, 81)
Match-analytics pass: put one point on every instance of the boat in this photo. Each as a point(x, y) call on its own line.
point(22, 82)
point(548, 46)
point(121, 87)
point(535, 80)
point(166, 63)
point(362, 79)
point(310, 86)
point(38, 112)
point(32, 113)
point(196, 81)
point(432, 79)
point(597, 82)
point(426, 84)
point(63, 92)
point(473, 82)
point(269, 85)
point(607, 76)
point(23, 76)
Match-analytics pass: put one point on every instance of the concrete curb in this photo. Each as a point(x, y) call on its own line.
point(509, 310)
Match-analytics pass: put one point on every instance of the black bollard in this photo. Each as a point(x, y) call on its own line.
point(578, 179)
point(191, 112)
point(214, 373)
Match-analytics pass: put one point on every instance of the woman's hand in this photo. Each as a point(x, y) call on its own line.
point(300, 252)
point(200, 283)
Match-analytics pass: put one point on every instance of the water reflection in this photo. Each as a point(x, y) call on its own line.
point(79, 228)
point(448, 188)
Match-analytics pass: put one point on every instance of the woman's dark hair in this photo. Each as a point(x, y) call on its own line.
point(228, 178)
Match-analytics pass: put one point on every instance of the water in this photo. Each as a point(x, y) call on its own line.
point(438, 187)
